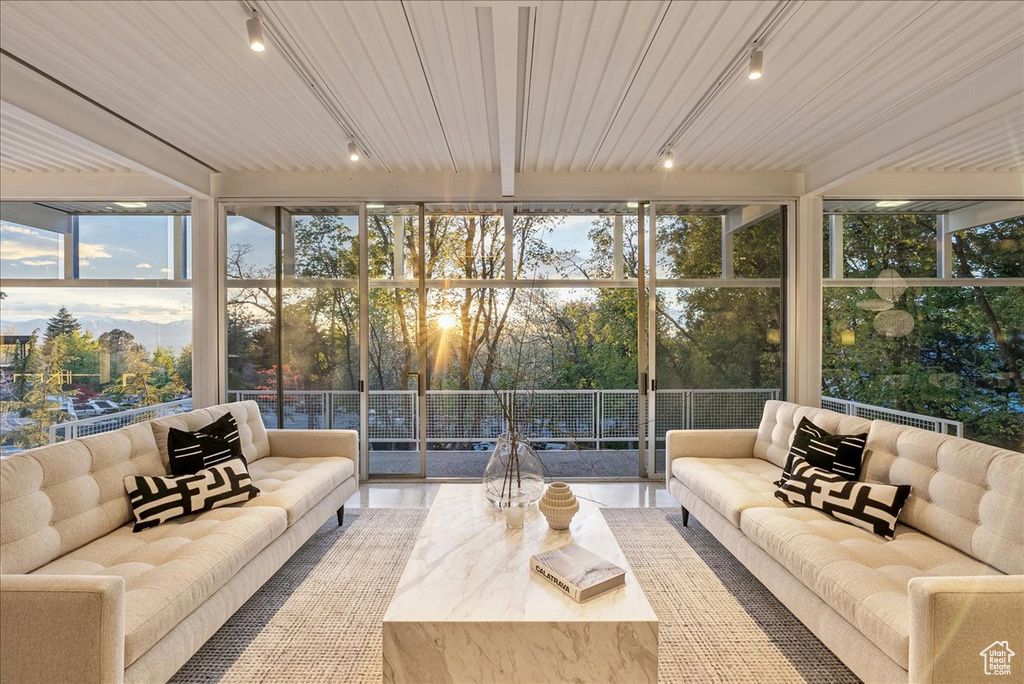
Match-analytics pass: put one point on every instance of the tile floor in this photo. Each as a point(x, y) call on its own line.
point(421, 495)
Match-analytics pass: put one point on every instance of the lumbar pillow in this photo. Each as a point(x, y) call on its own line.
point(840, 454)
point(190, 452)
point(873, 507)
point(158, 499)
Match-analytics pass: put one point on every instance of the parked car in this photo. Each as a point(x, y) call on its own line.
point(483, 446)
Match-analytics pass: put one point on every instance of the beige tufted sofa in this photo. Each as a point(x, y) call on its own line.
point(84, 599)
point(919, 608)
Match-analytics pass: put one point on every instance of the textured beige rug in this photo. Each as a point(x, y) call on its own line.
point(318, 619)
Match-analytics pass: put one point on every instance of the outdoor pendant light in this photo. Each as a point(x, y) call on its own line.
point(353, 152)
point(255, 29)
point(756, 64)
point(668, 160)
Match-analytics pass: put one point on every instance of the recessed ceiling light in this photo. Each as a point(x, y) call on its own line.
point(254, 27)
point(353, 152)
point(756, 64)
point(374, 206)
point(889, 204)
point(668, 160)
point(131, 205)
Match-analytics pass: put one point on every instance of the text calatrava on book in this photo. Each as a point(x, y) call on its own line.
point(577, 572)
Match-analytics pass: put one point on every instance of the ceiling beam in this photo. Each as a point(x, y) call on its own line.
point(994, 90)
point(84, 187)
point(68, 115)
point(36, 216)
point(923, 186)
point(487, 187)
point(982, 214)
point(506, 27)
point(748, 215)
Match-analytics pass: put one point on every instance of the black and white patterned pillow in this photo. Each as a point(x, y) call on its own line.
point(873, 507)
point(190, 452)
point(841, 454)
point(158, 499)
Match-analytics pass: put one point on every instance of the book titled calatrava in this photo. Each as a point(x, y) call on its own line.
point(580, 574)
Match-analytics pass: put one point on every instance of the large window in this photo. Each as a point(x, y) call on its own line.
point(924, 314)
point(95, 322)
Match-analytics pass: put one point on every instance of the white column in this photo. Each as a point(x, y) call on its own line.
point(943, 247)
point(209, 319)
point(835, 246)
point(805, 326)
point(617, 248)
point(727, 261)
point(509, 217)
point(364, 345)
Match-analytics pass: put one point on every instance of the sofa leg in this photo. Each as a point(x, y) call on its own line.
point(341, 516)
point(686, 515)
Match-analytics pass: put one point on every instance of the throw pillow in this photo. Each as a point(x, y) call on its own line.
point(841, 454)
point(156, 500)
point(873, 507)
point(190, 452)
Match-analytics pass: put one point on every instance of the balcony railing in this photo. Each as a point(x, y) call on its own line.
point(112, 421)
point(853, 408)
point(593, 417)
point(588, 417)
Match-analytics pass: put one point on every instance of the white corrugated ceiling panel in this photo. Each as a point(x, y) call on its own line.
point(183, 71)
point(838, 69)
point(365, 52)
point(996, 144)
point(26, 147)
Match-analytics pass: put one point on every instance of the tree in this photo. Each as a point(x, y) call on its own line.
point(62, 323)
point(45, 390)
point(183, 365)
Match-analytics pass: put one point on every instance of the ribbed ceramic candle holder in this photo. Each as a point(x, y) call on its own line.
point(558, 505)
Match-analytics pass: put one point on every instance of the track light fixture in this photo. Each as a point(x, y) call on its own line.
point(255, 29)
point(353, 151)
point(668, 160)
point(756, 63)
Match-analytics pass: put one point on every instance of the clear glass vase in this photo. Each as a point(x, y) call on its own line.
point(513, 477)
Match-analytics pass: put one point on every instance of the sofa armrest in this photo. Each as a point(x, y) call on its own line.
point(954, 619)
point(314, 443)
point(707, 444)
point(61, 628)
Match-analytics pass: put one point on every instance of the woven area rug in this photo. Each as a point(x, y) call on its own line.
point(318, 619)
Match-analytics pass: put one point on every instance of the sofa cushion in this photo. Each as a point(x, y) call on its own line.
point(59, 497)
point(297, 484)
point(171, 569)
point(251, 431)
point(860, 575)
point(965, 494)
point(730, 485)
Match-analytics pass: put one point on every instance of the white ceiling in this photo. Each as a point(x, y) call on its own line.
point(606, 84)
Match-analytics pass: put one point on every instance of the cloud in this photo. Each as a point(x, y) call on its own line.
point(165, 270)
point(143, 265)
point(86, 249)
point(40, 262)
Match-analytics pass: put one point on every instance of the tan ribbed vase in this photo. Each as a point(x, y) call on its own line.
point(558, 505)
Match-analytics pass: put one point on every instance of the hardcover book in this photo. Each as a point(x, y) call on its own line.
point(578, 573)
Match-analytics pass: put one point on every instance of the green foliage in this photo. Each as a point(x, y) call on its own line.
point(61, 323)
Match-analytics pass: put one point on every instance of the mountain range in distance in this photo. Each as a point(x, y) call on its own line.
point(149, 334)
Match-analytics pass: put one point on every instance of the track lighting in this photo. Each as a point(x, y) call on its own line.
point(353, 152)
point(255, 29)
point(756, 63)
point(668, 160)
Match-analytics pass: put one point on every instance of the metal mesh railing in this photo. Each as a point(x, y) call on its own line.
point(853, 408)
point(62, 432)
point(585, 416)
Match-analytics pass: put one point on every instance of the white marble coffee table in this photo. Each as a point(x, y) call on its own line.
point(469, 609)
